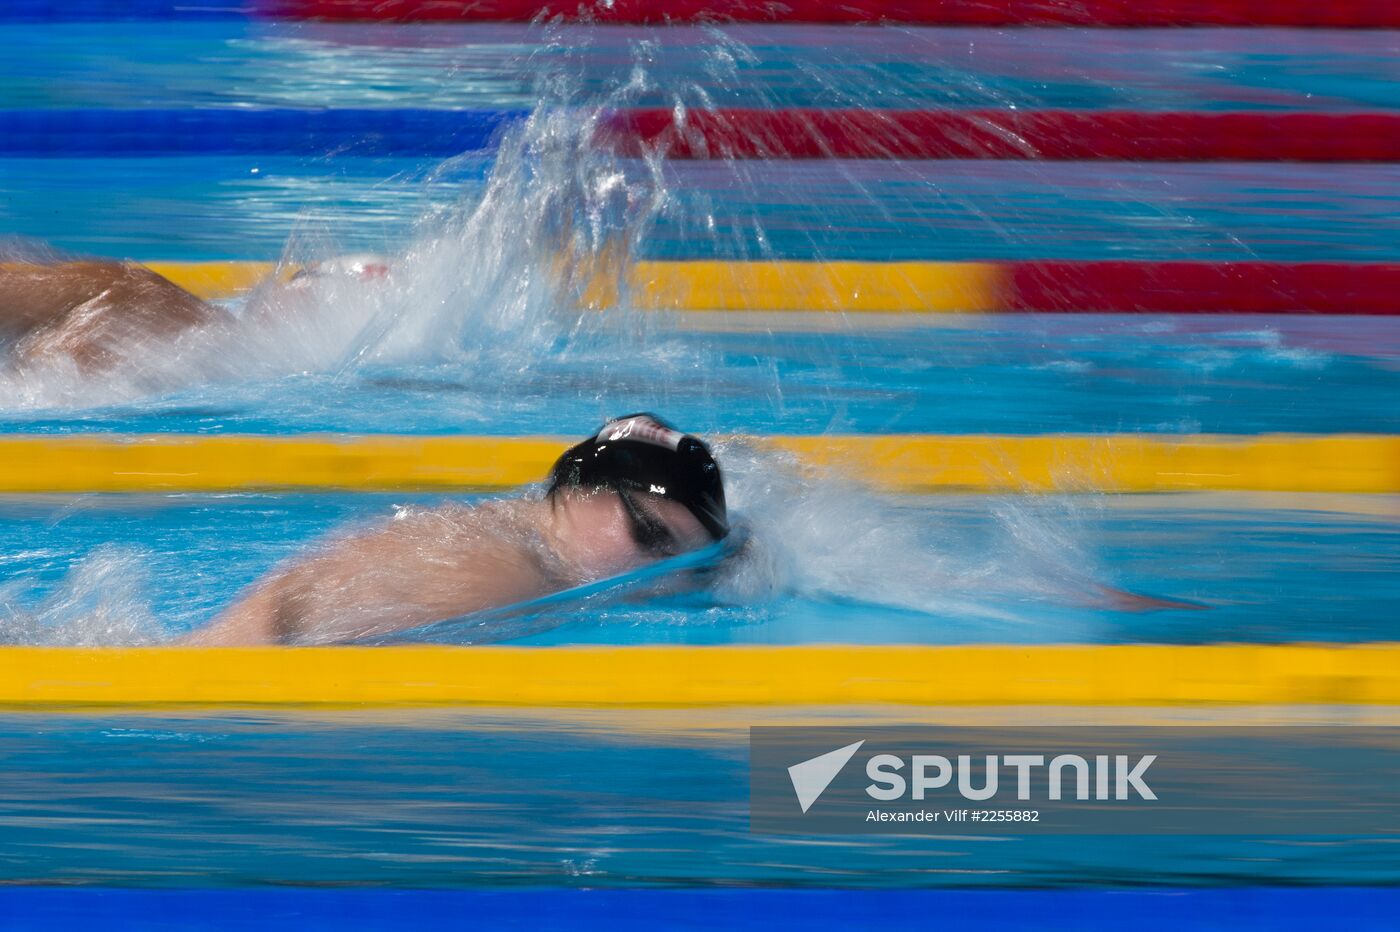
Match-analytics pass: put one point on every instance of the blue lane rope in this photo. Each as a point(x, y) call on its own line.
point(541, 909)
point(114, 132)
point(96, 11)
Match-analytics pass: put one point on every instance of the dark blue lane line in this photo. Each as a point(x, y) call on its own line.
point(112, 133)
point(89, 11)
point(57, 908)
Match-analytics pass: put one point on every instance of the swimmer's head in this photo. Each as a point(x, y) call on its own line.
point(669, 491)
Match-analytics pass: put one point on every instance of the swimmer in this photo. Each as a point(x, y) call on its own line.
point(87, 312)
point(635, 492)
point(94, 313)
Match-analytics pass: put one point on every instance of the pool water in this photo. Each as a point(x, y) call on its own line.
point(237, 63)
point(1026, 374)
point(435, 799)
point(241, 207)
point(499, 799)
point(929, 570)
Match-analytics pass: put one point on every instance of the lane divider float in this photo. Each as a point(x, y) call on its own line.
point(908, 463)
point(1339, 13)
point(1008, 134)
point(1376, 14)
point(820, 675)
point(929, 287)
point(1313, 136)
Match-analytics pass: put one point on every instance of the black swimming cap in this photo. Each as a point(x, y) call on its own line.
point(642, 453)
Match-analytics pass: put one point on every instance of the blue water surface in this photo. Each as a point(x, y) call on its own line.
point(248, 207)
point(240, 63)
point(1020, 374)
point(491, 798)
point(1257, 568)
point(579, 800)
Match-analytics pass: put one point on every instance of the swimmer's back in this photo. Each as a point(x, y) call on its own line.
point(78, 308)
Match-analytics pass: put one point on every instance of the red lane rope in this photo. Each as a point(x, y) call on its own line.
point(1331, 13)
point(1202, 287)
point(1009, 134)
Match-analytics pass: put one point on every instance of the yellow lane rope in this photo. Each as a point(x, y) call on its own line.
point(909, 287)
point(214, 280)
point(1136, 675)
point(901, 463)
point(919, 287)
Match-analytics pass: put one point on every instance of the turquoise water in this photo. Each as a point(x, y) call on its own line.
point(246, 207)
point(434, 799)
point(1267, 568)
point(457, 799)
point(327, 65)
point(1014, 375)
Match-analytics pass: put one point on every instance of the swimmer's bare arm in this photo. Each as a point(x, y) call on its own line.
point(412, 571)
